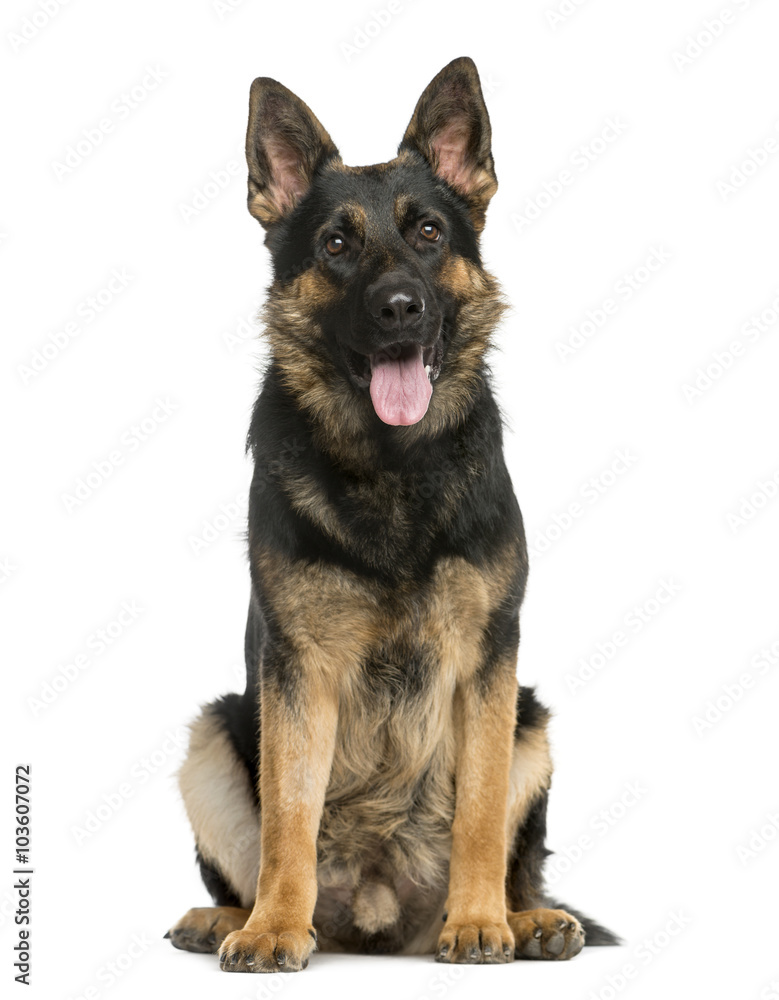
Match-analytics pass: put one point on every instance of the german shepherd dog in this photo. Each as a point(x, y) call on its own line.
point(381, 785)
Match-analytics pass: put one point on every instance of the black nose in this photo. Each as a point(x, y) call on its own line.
point(396, 301)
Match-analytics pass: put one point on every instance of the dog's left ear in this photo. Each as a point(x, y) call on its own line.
point(450, 127)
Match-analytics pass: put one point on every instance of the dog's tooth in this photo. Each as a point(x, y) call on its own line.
point(427, 370)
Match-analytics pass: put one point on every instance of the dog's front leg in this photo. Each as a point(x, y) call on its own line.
point(476, 929)
point(298, 725)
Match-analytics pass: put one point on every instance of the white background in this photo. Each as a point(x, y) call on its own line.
point(680, 843)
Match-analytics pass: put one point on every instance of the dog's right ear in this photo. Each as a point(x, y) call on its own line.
point(285, 146)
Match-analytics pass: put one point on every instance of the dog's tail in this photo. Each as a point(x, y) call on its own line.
point(594, 933)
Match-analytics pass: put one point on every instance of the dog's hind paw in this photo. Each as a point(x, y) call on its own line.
point(204, 928)
point(548, 934)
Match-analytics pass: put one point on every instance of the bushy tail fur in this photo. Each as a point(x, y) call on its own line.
point(525, 881)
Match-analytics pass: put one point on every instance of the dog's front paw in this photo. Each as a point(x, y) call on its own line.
point(475, 943)
point(549, 934)
point(267, 951)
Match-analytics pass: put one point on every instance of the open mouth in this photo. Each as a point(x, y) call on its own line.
point(399, 378)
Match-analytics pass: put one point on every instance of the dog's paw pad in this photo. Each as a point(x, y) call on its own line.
point(546, 934)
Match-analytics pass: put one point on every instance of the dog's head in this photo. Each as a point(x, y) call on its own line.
point(379, 306)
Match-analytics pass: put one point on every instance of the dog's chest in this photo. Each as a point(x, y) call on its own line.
point(390, 799)
point(395, 658)
point(391, 791)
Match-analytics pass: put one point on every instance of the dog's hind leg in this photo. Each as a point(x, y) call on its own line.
point(222, 809)
point(542, 928)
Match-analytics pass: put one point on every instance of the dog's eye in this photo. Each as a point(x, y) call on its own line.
point(335, 244)
point(430, 231)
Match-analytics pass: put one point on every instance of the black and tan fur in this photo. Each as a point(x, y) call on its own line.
point(381, 785)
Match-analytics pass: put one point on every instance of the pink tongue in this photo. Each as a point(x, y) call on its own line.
point(400, 389)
